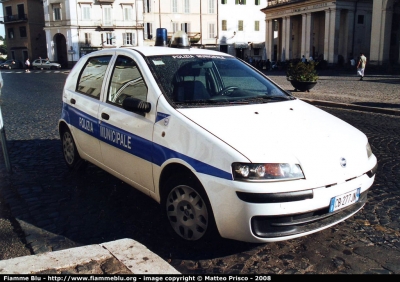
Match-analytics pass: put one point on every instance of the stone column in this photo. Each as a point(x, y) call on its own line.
point(380, 34)
point(303, 34)
point(286, 38)
point(284, 35)
point(350, 35)
point(269, 39)
point(331, 42)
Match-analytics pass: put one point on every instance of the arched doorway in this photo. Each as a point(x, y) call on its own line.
point(60, 50)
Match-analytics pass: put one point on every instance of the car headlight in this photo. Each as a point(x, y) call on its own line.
point(369, 150)
point(266, 172)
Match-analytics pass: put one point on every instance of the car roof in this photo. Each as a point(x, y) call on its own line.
point(157, 51)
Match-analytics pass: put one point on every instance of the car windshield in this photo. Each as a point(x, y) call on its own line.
point(204, 80)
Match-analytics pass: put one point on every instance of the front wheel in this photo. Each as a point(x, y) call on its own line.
point(188, 210)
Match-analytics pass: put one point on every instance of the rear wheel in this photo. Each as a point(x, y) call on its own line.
point(71, 155)
point(188, 210)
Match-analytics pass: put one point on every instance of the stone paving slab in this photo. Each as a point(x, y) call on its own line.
point(124, 256)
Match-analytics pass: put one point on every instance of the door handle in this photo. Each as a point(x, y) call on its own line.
point(105, 116)
point(73, 101)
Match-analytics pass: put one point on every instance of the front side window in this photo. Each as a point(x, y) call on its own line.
point(209, 81)
point(57, 13)
point(92, 76)
point(127, 81)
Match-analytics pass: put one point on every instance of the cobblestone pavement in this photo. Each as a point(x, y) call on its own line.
point(57, 209)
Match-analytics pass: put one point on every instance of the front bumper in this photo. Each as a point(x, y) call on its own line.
point(241, 215)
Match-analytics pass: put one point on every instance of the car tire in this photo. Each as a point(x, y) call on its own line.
point(9, 67)
point(52, 68)
point(188, 210)
point(70, 153)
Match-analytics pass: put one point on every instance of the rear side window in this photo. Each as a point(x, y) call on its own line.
point(92, 76)
point(126, 81)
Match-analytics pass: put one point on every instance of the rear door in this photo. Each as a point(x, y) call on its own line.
point(126, 137)
point(82, 105)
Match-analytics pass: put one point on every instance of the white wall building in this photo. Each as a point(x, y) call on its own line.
point(241, 28)
point(76, 27)
point(198, 18)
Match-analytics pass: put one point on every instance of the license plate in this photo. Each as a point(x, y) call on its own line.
point(344, 200)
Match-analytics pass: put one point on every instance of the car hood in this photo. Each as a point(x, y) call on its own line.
point(290, 131)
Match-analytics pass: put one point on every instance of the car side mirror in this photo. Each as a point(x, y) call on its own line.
point(136, 105)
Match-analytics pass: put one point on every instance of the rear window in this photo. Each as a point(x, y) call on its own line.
point(92, 76)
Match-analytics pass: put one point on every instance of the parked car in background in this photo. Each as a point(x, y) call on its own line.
point(45, 64)
point(11, 64)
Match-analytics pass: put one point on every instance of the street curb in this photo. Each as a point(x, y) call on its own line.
point(352, 107)
point(122, 256)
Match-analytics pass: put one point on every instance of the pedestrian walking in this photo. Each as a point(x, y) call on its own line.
point(303, 59)
point(362, 62)
point(27, 64)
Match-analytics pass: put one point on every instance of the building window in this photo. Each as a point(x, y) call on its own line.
point(107, 16)
point(211, 6)
point(86, 13)
point(240, 2)
point(127, 13)
point(175, 27)
point(174, 7)
point(257, 2)
point(148, 31)
point(8, 11)
point(57, 13)
point(224, 25)
point(185, 27)
point(360, 19)
point(128, 38)
point(275, 25)
point(88, 39)
point(240, 25)
point(147, 6)
point(223, 2)
point(10, 33)
point(187, 7)
point(22, 31)
point(257, 25)
point(211, 31)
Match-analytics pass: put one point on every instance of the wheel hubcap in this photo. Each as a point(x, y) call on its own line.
point(187, 213)
point(68, 148)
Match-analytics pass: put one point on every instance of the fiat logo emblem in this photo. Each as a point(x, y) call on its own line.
point(343, 162)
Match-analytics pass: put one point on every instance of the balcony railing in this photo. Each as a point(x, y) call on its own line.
point(15, 18)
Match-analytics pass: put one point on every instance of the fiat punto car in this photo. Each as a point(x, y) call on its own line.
point(221, 147)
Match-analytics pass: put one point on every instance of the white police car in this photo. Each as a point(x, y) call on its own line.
point(213, 140)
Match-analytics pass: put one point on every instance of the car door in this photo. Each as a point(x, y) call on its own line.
point(82, 105)
point(126, 137)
